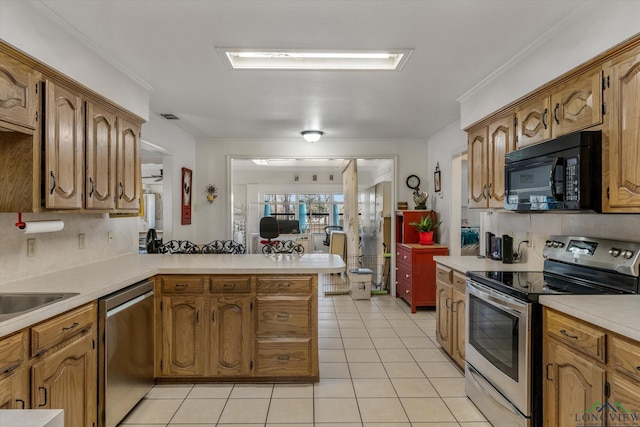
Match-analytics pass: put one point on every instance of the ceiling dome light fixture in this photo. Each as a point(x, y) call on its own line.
point(311, 135)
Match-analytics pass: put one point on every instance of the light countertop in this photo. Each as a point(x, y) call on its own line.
point(32, 417)
point(473, 263)
point(617, 313)
point(95, 280)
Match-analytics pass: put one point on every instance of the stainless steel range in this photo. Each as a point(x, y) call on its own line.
point(504, 330)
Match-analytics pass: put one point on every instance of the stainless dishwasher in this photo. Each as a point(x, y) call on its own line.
point(125, 355)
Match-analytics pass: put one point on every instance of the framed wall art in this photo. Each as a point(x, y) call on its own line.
point(436, 180)
point(187, 180)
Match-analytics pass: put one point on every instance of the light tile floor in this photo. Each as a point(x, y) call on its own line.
point(380, 366)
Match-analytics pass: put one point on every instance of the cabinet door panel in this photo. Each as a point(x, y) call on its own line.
point(534, 122)
point(458, 326)
point(577, 104)
point(182, 335)
point(67, 380)
point(575, 384)
point(625, 396)
point(443, 315)
point(100, 157)
point(501, 141)
point(17, 93)
point(230, 335)
point(478, 168)
point(624, 149)
point(14, 391)
point(64, 148)
point(127, 166)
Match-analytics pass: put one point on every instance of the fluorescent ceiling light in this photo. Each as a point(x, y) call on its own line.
point(297, 59)
point(261, 162)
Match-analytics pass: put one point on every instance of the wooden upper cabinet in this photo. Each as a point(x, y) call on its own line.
point(487, 148)
point(501, 141)
point(577, 104)
point(64, 148)
point(128, 166)
point(100, 177)
point(624, 125)
point(477, 168)
point(534, 122)
point(18, 93)
point(574, 105)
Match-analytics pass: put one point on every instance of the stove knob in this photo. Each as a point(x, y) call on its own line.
point(560, 245)
point(554, 244)
point(548, 243)
point(614, 252)
point(627, 254)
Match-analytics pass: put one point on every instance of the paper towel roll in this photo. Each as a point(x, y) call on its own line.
point(43, 226)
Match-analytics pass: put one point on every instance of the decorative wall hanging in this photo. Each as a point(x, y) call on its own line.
point(436, 179)
point(187, 176)
point(211, 192)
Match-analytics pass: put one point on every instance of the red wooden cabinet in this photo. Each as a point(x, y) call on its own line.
point(406, 233)
point(416, 273)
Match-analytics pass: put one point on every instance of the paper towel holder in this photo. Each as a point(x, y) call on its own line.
point(20, 224)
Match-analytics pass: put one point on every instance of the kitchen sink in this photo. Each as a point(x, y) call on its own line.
point(15, 304)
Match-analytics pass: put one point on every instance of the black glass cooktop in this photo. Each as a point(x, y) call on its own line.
point(529, 285)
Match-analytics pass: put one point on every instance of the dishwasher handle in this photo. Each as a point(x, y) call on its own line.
point(128, 304)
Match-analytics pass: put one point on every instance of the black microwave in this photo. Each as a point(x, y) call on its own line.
point(564, 174)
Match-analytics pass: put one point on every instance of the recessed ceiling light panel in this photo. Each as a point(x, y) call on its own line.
point(298, 59)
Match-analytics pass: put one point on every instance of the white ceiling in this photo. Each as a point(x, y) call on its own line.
point(170, 45)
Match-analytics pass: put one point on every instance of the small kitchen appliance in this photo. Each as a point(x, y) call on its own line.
point(504, 330)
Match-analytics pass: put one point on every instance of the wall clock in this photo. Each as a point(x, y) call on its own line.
point(413, 182)
point(187, 176)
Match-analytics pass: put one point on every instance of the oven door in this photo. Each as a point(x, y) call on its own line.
point(498, 342)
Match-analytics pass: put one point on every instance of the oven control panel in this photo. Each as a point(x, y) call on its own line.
point(620, 256)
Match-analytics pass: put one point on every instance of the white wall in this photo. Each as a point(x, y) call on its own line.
point(443, 148)
point(593, 28)
point(212, 165)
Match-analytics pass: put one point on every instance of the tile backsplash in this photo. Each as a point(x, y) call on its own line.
point(60, 250)
point(542, 225)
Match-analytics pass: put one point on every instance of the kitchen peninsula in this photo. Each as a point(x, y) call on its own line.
point(217, 318)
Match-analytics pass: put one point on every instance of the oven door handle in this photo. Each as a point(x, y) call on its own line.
point(496, 299)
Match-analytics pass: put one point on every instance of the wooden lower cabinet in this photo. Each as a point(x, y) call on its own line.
point(230, 336)
point(237, 327)
point(182, 335)
point(14, 390)
point(574, 384)
point(451, 312)
point(587, 384)
point(67, 380)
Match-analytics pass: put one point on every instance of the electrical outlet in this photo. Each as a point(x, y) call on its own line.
point(31, 247)
point(81, 241)
point(529, 239)
point(110, 238)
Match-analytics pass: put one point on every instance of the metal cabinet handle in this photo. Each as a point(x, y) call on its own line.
point(283, 285)
point(181, 285)
point(92, 186)
point(406, 291)
point(45, 396)
point(484, 191)
point(555, 114)
point(22, 402)
point(11, 368)
point(406, 275)
point(282, 316)
point(548, 366)
point(198, 316)
point(229, 285)
point(73, 326)
point(121, 189)
point(567, 334)
point(213, 316)
point(447, 303)
point(544, 117)
point(283, 357)
point(53, 183)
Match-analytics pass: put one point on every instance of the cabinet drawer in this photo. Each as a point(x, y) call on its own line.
point(403, 255)
point(55, 331)
point(285, 284)
point(230, 284)
point(182, 285)
point(283, 357)
point(283, 315)
point(625, 357)
point(583, 337)
point(459, 281)
point(403, 274)
point(12, 352)
point(444, 274)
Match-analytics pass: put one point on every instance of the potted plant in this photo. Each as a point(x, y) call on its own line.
point(426, 227)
